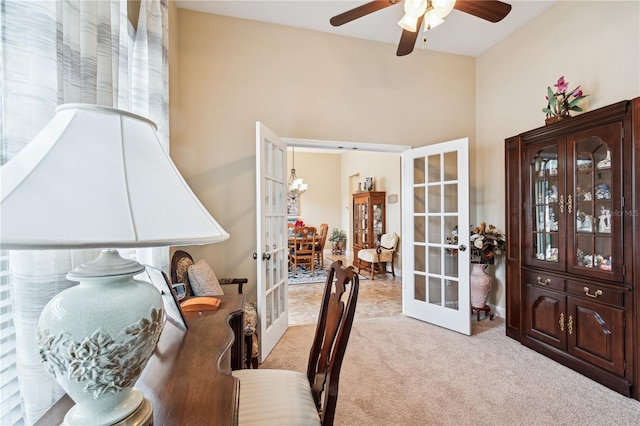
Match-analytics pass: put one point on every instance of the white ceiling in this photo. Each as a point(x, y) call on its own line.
point(461, 34)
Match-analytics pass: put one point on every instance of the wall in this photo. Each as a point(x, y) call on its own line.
point(321, 202)
point(593, 44)
point(301, 84)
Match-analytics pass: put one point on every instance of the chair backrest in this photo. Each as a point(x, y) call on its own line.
point(389, 241)
point(332, 334)
point(305, 244)
point(324, 230)
point(180, 262)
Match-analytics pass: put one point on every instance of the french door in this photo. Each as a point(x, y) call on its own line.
point(271, 251)
point(435, 236)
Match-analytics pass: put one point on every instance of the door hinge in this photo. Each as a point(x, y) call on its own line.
point(624, 270)
point(622, 204)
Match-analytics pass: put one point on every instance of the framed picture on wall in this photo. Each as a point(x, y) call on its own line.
point(368, 184)
point(293, 205)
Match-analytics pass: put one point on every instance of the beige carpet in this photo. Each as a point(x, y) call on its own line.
point(400, 371)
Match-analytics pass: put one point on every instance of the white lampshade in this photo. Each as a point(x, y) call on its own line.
point(97, 177)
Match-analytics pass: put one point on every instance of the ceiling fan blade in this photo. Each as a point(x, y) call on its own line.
point(408, 40)
point(360, 11)
point(489, 10)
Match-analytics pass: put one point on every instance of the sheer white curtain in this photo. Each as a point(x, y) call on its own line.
point(56, 52)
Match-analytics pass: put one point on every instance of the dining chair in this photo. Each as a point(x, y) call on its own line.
point(286, 397)
point(322, 239)
point(303, 251)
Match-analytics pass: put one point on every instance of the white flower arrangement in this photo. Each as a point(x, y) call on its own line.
point(486, 242)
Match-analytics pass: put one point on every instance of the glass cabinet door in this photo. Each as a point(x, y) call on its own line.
point(359, 223)
point(593, 206)
point(378, 222)
point(545, 243)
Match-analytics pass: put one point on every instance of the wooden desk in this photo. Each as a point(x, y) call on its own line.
point(187, 379)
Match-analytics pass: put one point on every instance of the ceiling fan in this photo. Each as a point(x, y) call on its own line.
point(431, 12)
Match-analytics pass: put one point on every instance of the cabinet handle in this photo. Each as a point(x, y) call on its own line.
point(594, 295)
point(570, 324)
point(561, 321)
point(569, 204)
point(561, 203)
point(545, 282)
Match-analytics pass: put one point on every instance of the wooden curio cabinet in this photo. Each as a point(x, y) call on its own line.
point(573, 263)
point(368, 219)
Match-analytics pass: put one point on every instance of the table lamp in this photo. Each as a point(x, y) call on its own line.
point(98, 177)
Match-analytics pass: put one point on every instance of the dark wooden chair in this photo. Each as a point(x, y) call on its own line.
point(303, 251)
point(269, 396)
point(180, 263)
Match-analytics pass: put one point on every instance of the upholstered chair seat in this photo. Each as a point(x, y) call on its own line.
point(376, 258)
point(283, 397)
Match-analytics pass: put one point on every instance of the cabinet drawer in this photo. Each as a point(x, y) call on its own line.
point(596, 292)
point(543, 279)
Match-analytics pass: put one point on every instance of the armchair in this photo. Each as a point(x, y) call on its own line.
point(376, 258)
point(200, 280)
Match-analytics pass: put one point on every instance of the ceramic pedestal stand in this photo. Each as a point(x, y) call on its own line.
point(480, 284)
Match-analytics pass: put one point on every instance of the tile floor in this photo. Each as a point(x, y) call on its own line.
point(377, 298)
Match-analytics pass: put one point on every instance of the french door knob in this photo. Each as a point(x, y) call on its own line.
point(462, 247)
point(265, 256)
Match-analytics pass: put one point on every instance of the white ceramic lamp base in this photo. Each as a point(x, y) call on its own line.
point(96, 338)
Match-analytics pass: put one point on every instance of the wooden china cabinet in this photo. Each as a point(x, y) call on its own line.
point(368, 219)
point(573, 251)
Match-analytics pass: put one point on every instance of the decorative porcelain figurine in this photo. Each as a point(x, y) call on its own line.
point(604, 222)
point(606, 163)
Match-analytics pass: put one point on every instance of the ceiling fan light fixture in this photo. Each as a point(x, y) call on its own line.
point(443, 7)
point(413, 10)
point(431, 20)
point(408, 23)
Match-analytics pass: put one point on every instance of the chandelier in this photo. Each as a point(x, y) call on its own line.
point(296, 185)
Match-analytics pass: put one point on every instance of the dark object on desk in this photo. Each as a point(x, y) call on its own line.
point(187, 379)
point(269, 396)
point(181, 261)
point(169, 298)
